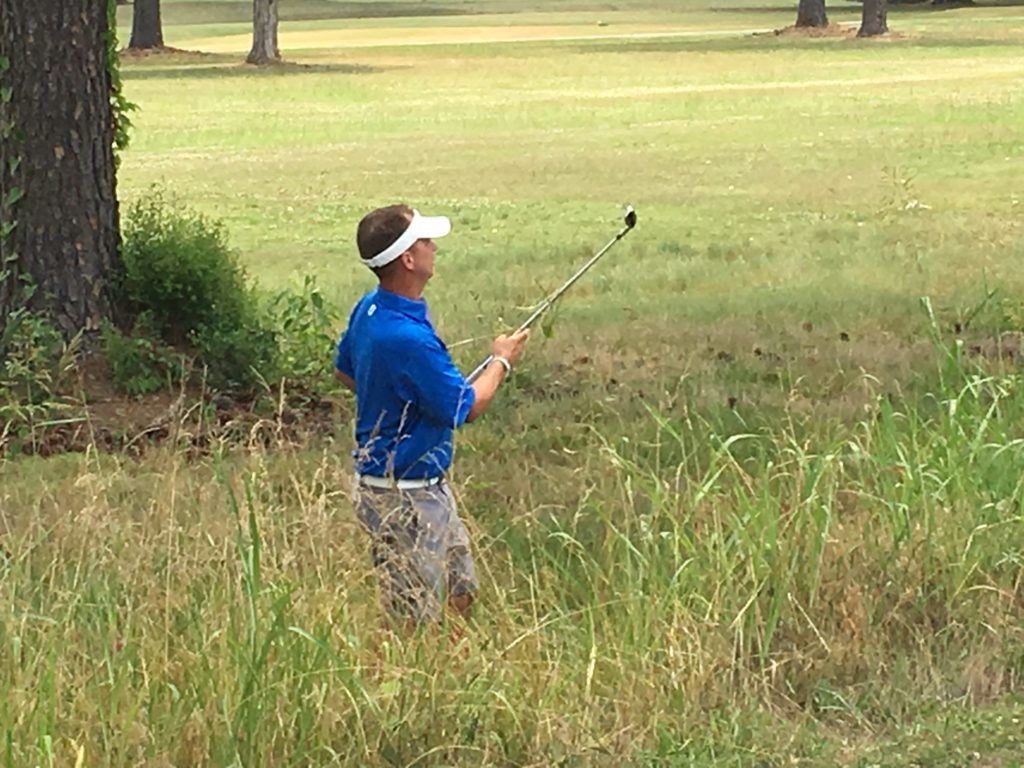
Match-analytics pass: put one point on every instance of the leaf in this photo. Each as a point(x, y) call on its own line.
point(5, 94)
point(14, 195)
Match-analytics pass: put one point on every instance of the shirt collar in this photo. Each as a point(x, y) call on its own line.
point(413, 308)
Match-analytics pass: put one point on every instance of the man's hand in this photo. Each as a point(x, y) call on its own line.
point(511, 347)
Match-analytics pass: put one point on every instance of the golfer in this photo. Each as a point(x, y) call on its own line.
point(409, 400)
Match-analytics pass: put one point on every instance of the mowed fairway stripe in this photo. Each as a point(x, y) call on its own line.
point(953, 70)
point(386, 38)
point(671, 90)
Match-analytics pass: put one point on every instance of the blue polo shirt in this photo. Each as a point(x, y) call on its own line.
point(410, 397)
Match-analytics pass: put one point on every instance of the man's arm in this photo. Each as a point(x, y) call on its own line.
point(348, 381)
point(343, 358)
point(486, 385)
point(485, 388)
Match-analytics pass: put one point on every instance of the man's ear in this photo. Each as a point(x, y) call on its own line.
point(408, 260)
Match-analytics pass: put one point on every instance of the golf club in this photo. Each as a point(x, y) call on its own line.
point(630, 222)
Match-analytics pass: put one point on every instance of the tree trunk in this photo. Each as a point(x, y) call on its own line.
point(264, 33)
point(873, 19)
point(810, 13)
point(147, 32)
point(57, 181)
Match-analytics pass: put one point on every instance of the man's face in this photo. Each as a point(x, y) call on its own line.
point(422, 252)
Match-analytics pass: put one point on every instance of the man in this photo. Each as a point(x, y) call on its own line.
point(409, 400)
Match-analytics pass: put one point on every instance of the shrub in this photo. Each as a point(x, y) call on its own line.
point(180, 272)
point(140, 363)
point(34, 365)
point(304, 322)
point(179, 269)
point(240, 357)
point(33, 358)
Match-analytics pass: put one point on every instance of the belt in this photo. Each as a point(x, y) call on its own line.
point(402, 485)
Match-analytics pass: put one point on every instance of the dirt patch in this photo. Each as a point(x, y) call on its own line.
point(832, 30)
point(841, 31)
point(96, 417)
point(133, 427)
point(162, 52)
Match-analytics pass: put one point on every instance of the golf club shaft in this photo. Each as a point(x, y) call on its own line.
point(551, 299)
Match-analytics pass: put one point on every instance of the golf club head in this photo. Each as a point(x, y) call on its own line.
point(630, 217)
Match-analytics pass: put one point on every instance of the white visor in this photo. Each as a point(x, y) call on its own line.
point(419, 228)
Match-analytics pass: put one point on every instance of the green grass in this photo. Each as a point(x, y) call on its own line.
point(749, 504)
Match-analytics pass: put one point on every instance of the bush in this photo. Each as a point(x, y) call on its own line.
point(140, 363)
point(33, 358)
point(179, 269)
point(185, 286)
point(240, 357)
point(305, 324)
point(180, 272)
point(34, 365)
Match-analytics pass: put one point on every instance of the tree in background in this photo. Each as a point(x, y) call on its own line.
point(58, 201)
point(147, 31)
point(811, 13)
point(264, 33)
point(873, 19)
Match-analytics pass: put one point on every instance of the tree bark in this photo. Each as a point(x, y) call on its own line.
point(58, 161)
point(873, 19)
point(810, 13)
point(264, 33)
point(147, 31)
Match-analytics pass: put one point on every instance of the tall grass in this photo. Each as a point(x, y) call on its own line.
point(682, 595)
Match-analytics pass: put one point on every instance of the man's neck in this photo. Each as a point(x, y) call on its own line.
point(406, 288)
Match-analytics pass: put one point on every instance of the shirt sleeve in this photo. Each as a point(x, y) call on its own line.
point(442, 392)
point(343, 357)
point(343, 354)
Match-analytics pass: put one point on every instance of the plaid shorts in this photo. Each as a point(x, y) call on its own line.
point(420, 548)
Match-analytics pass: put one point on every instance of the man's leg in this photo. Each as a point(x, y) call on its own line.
point(407, 580)
point(462, 583)
point(462, 604)
point(421, 551)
